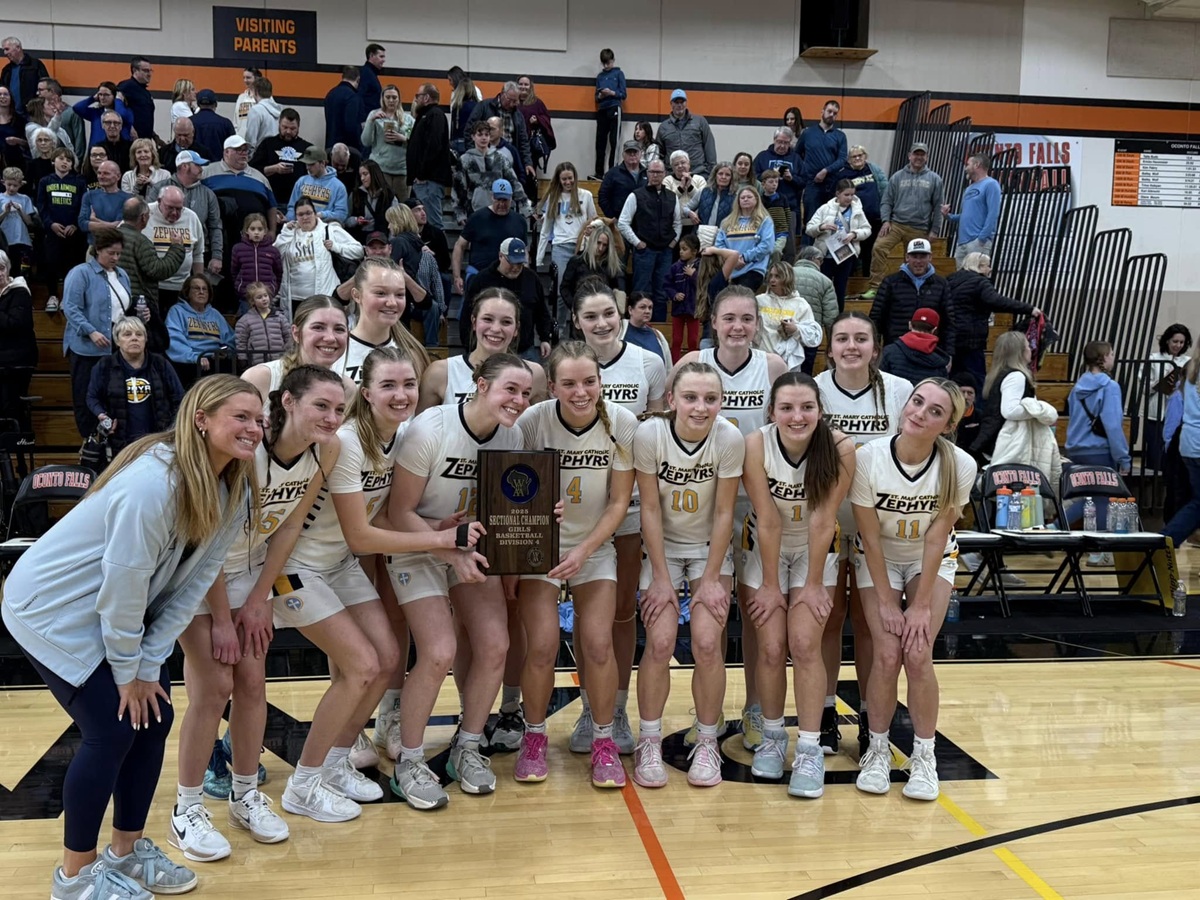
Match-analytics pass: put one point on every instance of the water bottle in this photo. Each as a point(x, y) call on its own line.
point(1090, 515)
point(1015, 512)
point(143, 308)
point(1119, 511)
point(1039, 511)
point(1179, 599)
point(1028, 502)
point(1003, 499)
point(1133, 517)
point(951, 641)
point(954, 610)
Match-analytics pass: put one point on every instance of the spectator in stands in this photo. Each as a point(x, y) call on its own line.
point(385, 137)
point(74, 127)
point(838, 227)
point(911, 209)
point(101, 207)
point(479, 168)
point(793, 119)
point(822, 146)
point(714, 203)
point(975, 299)
point(369, 88)
point(18, 341)
point(869, 184)
point(278, 156)
point(610, 94)
point(22, 74)
point(345, 163)
point(320, 185)
point(916, 285)
point(651, 147)
point(564, 212)
point(198, 331)
point(429, 154)
point(1186, 518)
point(434, 239)
point(485, 230)
point(784, 313)
point(1010, 382)
point(686, 187)
point(510, 270)
point(538, 126)
point(1096, 411)
point(135, 90)
point(255, 259)
point(743, 170)
point(59, 201)
point(1161, 379)
point(307, 246)
point(212, 128)
point(246, 99)
point(682, 130)
point(744, 244)
point(42, 143)
point(263, 119)
point(264, 332)
point(185, 139)
point(916, 356)
point(816, 287)
point(680, 287)
point(183, 100)
point(621, 181)
point(140, 261)
point(240, 189)
point(464, 97)
point(650, 223)
point(370, 203)
point(601, 255)
point(145, 171)
point(505, 148)
point(133, 391)
point(90, 109)
point(344, 112)
point(980, 210)
point(171, 220)
point(781, 157)
point(95, 295)
point(506, 105)
point(781, 214)
point(636, 327)
point(18, 217)
point(968, 425)
point(91, 164)
point(425, 287)
point(114, 145)
point(200, 200)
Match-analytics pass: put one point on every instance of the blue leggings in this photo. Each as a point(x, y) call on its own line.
point(112, 762)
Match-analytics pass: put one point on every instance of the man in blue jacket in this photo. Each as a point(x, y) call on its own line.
point(135, 90)
point(787, 162)
point(823, 147)
point(980, 210)
point(622, 180)
point(370, 91)
point(343, 111)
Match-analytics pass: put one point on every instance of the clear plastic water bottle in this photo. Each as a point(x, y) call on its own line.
point(954, 610)
point(143, 308)
point(1014, 512)
point(1179, 599)
point(1132, 516)
point(1089, 514)
point(951, 641)
point(1119, 510)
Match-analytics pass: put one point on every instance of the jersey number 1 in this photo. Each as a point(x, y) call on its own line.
point(908, 529)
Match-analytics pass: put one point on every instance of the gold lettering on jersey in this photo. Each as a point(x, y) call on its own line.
point(137, 389)
point(678, 475)
point(858, 424)
point(900, 503)
point(203, 327)
point(376, 481)
point(743, 400)
point(620, 393)
point(165, 235)
point(582, 459)
point(786, 490)
point(466, 469)
point(316, 193)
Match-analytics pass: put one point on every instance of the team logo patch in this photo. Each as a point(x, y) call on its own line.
point(294, 603)
point(520, 484)
point(403, 578)
point(535, 557)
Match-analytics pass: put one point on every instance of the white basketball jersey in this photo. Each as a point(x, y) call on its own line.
point(745, 391)
point(859, 415)
point(357, 349)
point(586, 458)
point(687, 474)
point(275, 367)
point(633, 378)
point(280, 490)
point(460, 385)
point(906, 497)
point(441, 448)
point(785, 479)
point(321, 544)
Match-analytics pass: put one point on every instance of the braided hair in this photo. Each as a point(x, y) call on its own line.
point(579, 350)
point(298, 382)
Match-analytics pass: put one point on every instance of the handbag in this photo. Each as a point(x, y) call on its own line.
point(342, 267)
point(95, 453)
point(1098, 428)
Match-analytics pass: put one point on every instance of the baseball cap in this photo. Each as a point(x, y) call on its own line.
point(631, 145)
point(678, 94)
point(501, 188)
point(313, 154)
point(413, 202)
point(513, 249)
point(234, 142)
point(919, 245)
point(206, 97)
point(919, 147)
point(926, 316)
point(377, 236)
point(189, 156)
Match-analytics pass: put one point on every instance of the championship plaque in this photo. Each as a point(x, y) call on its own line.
point(518, 490)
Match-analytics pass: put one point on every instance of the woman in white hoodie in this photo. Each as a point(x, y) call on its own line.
point(307, 247)
point(839, 226)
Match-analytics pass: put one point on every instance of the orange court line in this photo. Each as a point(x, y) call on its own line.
point(658, 859)
point(1182, 665)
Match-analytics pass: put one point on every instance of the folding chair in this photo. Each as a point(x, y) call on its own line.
point(1080, 481)
point(29, 518)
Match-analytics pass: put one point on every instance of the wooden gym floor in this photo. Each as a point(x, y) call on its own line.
point(1070, 768)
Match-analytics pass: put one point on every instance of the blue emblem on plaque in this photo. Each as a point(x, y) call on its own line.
point(520, 484)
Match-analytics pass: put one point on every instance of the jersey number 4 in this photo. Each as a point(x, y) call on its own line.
point(573, 491)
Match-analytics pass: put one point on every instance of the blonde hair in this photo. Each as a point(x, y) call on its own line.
point(126, 324)
point(182, 86)
point(1008, 355)
point(198, 510)
point(944, 447)
point(360, 412)
point(756, 217)
point(402, 337)
point(138, 145)
point(401, 220)
point(580, 350)
point(612, 263)
point(691, 368)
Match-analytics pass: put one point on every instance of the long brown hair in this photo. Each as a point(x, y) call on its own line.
point(874, 378)
point(1008, 356)
point(303, 313)
point(494, 293)
point(824, 461)
point(360, 409)
point(402, 337)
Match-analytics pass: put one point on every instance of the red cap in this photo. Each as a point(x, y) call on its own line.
point(926, 316)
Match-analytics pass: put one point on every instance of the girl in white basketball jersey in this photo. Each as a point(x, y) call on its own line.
point(908, 492)
point(864, 404)
point(746, 378)
point(380, 297)
point(495, 324)
point(436, 479)
point(688, 465)
point(636, 380)
point(594, 440)
point(225, 645)
point(798, 471)
point(325, 593)
point(319, 335)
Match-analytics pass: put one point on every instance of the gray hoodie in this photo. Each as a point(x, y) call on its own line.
point(261, 122)
point(914, 199)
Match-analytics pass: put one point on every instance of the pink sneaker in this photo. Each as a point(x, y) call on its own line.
point(531, 761)
point(705, 770)
point(648, 768)
point(607, 771)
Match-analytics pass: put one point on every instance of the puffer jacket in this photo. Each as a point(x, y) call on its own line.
point(975, 298)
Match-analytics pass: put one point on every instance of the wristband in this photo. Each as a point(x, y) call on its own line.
point(462, 536)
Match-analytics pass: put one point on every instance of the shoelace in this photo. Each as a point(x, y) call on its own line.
point(875, 759)
point(471, 760)
point(109, 881)
point(258, 805)
point(808, 765)
point(199, 818)
point(649, 753)
point(604, 753)
point(316, 792)
point(422, 775)
point(346, 768)
point(922, 767)
point(710, 756)
point(585, 721)
point(153, 860)
point(772, 747)
point(756, 720)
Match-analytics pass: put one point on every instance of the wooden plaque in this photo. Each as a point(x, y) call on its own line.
point(518, 490)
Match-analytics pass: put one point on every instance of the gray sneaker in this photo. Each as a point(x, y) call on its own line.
point(808, 773)
point(622, 732)
point(471, 770)
point(581, 734)
point(769, 757)
point(151, 868)
point(95, 881)
point(417, 786)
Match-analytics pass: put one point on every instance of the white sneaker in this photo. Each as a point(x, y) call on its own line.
point(193, 832)
point(922, 776)
point(622, 732)
point(363, 754)
point(705, 770)
point(581, 733)
point(52, 305)
point(253, 813)
point(971, 561)
point(344, 778)
point(876, 774)
point(387, 734)
point(318, 802)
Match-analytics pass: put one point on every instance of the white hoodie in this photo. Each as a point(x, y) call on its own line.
point(307, 264)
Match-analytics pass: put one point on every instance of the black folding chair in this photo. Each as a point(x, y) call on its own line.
point(29, 517)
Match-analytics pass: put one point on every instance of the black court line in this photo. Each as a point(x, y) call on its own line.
point(1008, 837)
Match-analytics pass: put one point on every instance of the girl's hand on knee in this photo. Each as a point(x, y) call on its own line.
point(656, 599)
point(816, 598)
point(149, 693)
point(253, 622)
point(892, 617)
point(714, 596)
point(764, 603)
point(225, 647)
point(916, 637)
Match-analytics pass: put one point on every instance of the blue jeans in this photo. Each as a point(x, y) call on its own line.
point(650, 267)
point(1187, 517)
point(560, 255)
point(431, 194)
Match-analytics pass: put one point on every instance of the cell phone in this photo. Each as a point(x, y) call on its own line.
point(784, 167)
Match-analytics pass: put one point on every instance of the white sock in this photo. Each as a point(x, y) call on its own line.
point(831, 701)
point(467, 739)
point(807, 739)
point(539, 728)
point(188, 796)
point(622, 699)
point(243, 784)
point(335, 756)
point(390, 701)
point(650, 728)
point(510, 698)
point(601, 731)
point(305, 774)
point(879, 740)
point(412, 755)
point(773, 725)
point(587, 705)
point(920, 743)
point(706, 731)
